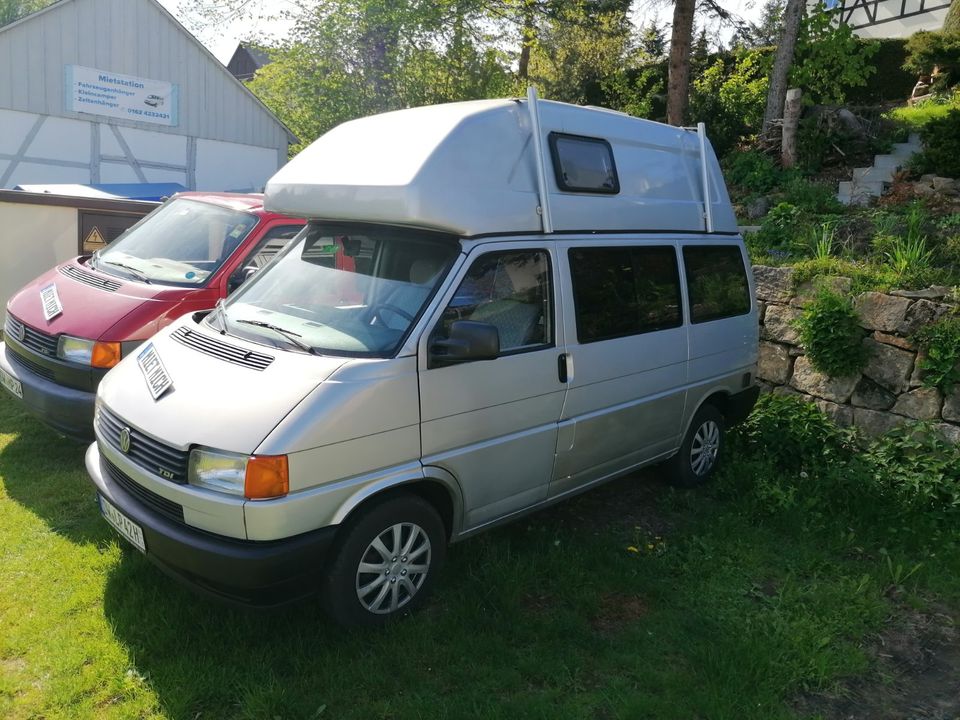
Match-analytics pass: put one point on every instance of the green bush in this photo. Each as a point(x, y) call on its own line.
point(730, 98)
point(792, 434)
point(831, 334)
point(918, 467)
point(929, 50)
point(941, 146)
point(812, 197)
point(783, 232)
point(752, 171)
point(829, 58)
point(940, 360)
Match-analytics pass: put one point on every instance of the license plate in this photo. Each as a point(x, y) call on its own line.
point(158, 381)
point(122, 524)
point(50, 299)
point(11, 383)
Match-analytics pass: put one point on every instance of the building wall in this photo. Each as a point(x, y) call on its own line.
point(224, 138)
point(889, 18)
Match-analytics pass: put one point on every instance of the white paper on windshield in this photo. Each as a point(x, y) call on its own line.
point(51, 302)
point(158, 380)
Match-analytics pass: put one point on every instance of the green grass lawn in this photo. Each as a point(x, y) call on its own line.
point(633, 601)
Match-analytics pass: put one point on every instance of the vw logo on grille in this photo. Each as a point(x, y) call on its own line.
point(125, 440)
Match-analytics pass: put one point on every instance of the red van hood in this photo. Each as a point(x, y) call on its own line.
point(90, 311)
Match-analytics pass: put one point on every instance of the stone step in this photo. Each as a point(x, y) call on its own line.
point(858, 193)
point(905, 149)
point(888, 162)
point(872, 174)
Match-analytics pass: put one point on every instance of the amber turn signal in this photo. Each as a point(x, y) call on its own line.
point(268, 476)
point(105, 354)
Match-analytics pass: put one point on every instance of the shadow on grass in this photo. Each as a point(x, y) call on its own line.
point(44, 472)
point(510, 627)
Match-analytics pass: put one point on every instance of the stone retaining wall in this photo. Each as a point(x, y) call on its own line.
point(890, 391)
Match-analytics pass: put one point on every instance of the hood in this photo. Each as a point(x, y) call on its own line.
point(89, 308)
point(213, 402)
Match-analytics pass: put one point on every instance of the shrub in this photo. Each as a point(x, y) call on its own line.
point(792, 434)
point(831, 333)
point(783, 232)
point(811, 197)
point(929, 50)
point(940, 360)
point(731, 100)
point(941, 146)
point(752, 171)
point(918, 467)
point(830, 59)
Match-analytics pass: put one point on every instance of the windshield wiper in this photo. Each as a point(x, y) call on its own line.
point(293, 337)
point(138, 274)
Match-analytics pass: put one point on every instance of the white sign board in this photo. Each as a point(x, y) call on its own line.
point(100, 92)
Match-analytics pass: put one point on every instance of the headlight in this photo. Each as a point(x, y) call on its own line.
point(257, 477)
point(88, 352)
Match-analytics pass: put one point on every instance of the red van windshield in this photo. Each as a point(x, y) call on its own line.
point(182, 243)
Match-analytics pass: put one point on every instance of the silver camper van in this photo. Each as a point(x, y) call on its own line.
point(495, 305)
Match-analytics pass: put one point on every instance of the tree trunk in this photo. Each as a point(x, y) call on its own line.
point(777, 94)
point(678, 78)
point(528, 35)
point(791, 119)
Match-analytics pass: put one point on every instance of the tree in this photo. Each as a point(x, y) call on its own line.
point(777, 92)
point(11, 10)
point(951, 23)
point(678, 68)
point(579, 46)
point(764, 33)
point(653, 41)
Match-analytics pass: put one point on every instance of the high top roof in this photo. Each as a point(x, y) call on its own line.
point(469, 168)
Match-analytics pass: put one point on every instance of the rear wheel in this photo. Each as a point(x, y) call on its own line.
point(702, 449)
point(385, 562)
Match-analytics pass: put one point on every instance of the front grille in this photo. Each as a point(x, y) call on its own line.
point(222, 350)
point(152, 455)
point(88, 278)
point(158, 504)
point(39, 342)
point(31, 365)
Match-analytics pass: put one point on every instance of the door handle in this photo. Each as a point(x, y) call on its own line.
point(562, 367)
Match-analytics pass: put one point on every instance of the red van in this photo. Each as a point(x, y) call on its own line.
point(64, 330)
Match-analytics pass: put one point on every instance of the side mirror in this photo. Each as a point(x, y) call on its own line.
point(240, 276)
point(468, 341)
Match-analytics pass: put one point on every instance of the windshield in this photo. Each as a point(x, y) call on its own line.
point(341, 291)
point(181, 243)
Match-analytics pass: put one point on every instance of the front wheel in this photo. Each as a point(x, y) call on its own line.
point(385, 562)
point(702, 449)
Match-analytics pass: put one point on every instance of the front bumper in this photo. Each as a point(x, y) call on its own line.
point(65, 409)
point(242, 571)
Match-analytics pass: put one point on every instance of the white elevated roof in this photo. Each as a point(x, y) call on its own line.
point(469, 168)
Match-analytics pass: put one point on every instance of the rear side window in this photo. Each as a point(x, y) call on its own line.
point(583, 164)
point(716, 282)
point(620, 291)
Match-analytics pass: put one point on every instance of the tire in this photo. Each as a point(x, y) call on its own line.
point(701, 452)
point(390, 584)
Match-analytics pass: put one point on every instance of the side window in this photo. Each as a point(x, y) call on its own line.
point(620, 291)
point(510, 290)
point(583, 164)
point(270, 244)
point(716, 282)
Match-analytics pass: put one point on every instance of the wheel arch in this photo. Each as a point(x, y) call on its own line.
point(436, 486)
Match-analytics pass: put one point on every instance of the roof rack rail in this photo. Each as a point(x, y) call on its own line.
point(541, 161)
point(701, 131)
